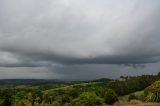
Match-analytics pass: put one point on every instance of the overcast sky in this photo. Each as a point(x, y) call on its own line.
point(79, 39)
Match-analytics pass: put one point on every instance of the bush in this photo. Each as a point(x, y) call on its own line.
point(87, 99)
point(73, 93)
point(56, 103)
point(142, 97)
point(110, 96)
point(66, 104)
point(7, 101)
point(153, 92)
point(154, 88)
point(131, 97)
point(65, 99)
point(153, 97)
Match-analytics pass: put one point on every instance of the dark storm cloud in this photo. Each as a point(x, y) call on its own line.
point(78, 32)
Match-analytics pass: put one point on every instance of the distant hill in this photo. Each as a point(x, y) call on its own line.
point(28, 81)
point(101, 80)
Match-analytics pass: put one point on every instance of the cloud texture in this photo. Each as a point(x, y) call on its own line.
point(50, 33)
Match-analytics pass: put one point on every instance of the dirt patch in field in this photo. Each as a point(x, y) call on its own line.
point(135, 103)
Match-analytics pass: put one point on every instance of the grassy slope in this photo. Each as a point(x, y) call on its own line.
point(138, 93)
point(144, 104)
point(124, 101)
point(70, 86)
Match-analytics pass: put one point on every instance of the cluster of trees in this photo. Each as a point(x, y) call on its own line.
point(132, 84)
point(81, 94)
point(67, 97)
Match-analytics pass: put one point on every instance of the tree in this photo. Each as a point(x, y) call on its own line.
point(110, 96)
point(87, 99)
point(158, 74)
point(7, 101)
point(132, 96)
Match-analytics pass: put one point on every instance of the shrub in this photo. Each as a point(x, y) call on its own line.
point(56, 103)
point(131, 97)
point(73, 93)
point(87, 99)
point(7, 101)
point(154, 88)
point(142, 97)
point(153, 97)
point(65, 99)
point(66, 104)
point(110, 96)
point(100, 92)
point(153, 92)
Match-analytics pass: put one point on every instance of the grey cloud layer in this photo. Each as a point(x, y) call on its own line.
point(44, 33)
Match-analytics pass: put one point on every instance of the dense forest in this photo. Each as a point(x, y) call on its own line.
point(100, 92)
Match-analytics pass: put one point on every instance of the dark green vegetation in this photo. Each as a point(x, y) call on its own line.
point(153, 92)
point(89, 93)
point(132, 84)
